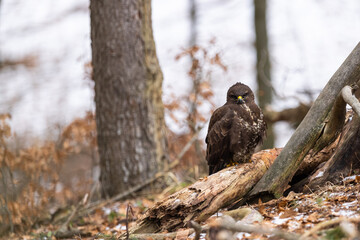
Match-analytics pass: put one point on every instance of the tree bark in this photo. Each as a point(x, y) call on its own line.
point(227, 188)
point(344, 160)
point(276, 180)
point(205, 197)
point(263, 67)
point(128, 81)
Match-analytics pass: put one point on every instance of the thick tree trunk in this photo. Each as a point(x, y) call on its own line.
point(128, 82)
point(263, 75)
point(276, 180)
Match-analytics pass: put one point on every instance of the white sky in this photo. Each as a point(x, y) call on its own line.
point(309, 39)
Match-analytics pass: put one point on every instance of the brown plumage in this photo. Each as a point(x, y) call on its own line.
point(235, 129)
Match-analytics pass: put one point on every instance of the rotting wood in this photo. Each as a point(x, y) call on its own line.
point(343, 161)
point(275, 181)
point(205, 197)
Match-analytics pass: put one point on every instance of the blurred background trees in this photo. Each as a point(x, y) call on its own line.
point(263, 73)
point(46, 76)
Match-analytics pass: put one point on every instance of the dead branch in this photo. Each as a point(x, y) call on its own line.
point(197, 228)
point(276, 180)
point(63, 227)
point(350, 99)
point(294, 116)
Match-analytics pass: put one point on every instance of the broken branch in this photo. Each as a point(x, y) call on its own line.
point(350, 99)
point(276, 179)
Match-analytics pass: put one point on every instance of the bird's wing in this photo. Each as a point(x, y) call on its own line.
point(217, 138)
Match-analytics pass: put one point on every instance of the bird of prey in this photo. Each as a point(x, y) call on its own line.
point(235, 129)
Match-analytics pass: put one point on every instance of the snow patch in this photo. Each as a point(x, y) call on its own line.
point(279, 221)
point(106, 210)
point(345, 213)
point(349, 204)
point(320, 174)
point(350, 178)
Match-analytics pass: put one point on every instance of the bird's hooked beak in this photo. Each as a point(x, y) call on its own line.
point(240, 100)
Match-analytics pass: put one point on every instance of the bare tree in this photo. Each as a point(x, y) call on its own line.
point(128, 89)
point(263, 64)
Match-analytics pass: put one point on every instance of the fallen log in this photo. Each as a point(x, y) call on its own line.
point(220, 190)
point(320, 127)
point(312, 130)
point(205, 197)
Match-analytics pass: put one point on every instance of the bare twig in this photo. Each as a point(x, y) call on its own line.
point(188, 145)
point(63, 227)
point(128, 209)
point(122, 195)
point(350, 99)
point(197, 227)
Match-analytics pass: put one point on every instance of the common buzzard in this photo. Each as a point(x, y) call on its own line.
point(235, 129)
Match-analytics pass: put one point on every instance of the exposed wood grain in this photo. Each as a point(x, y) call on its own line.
point(205, 197)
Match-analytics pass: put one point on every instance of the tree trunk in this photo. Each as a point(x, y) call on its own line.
point(263, 75)
point(310, 131)
point(128, 81)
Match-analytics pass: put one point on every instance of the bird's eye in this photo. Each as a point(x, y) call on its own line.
point(233, 96)
point(245, 94)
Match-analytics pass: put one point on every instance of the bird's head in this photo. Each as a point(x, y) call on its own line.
point(239, 94)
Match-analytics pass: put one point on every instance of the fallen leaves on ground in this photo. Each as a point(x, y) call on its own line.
point(296, 213)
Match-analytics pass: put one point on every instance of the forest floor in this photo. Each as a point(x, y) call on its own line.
point(318, 214)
